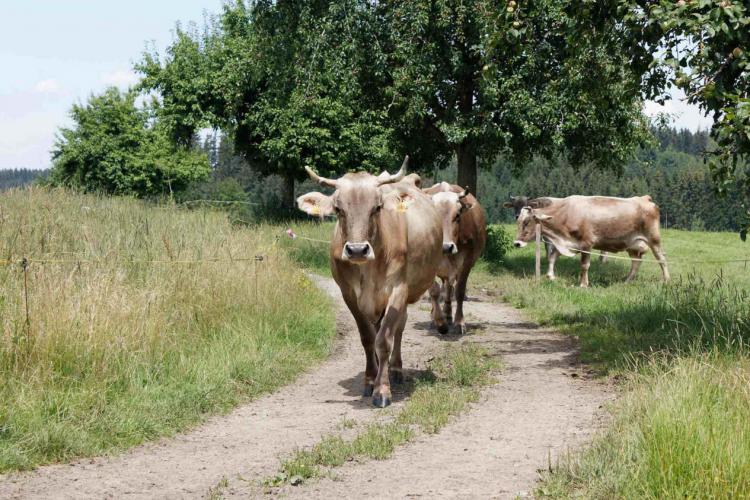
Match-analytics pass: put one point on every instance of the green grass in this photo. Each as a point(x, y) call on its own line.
point(313, 255)
point(453, 381)
point(680, 428)
point(119, 352)
point(679, 431)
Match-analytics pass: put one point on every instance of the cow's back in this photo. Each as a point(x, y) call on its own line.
point(607, 223)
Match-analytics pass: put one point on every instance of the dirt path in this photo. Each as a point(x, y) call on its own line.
point(536, 410)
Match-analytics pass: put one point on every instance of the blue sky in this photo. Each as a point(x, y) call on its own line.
point(57, 52)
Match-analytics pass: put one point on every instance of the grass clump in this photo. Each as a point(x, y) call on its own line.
point(454, 381)
point(118, 349)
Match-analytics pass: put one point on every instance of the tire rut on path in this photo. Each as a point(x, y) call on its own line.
point(534, 411)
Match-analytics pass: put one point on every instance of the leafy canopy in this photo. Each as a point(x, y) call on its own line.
point(356, 84)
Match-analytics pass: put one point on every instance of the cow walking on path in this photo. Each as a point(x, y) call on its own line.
point(464, 237)
point(385, 250)
point(585, 223)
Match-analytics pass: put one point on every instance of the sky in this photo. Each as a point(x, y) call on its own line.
point(54, 53)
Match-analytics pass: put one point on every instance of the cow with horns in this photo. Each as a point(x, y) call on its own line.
point(385, 250)
point(464, 237)
point(580, 224)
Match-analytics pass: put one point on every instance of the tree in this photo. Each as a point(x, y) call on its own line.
point(115, 147)
point(355, 84)
point(700, 47)
point(273, 76)
point(477, 77)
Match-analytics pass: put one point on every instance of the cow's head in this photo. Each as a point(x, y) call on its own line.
point(451, 203)
point(357, 202)
point(527, 220)
point(517, 203)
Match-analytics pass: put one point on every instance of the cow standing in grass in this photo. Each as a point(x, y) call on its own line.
point(586, 223)
point(385, 250)
point(518, 203)
point(464, 237)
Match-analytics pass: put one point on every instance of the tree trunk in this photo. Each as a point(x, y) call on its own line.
point(287, 192)
point(467, 167)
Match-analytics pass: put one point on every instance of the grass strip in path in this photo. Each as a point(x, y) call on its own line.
point(454, 380)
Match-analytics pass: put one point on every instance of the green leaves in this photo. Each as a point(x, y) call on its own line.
point(117, 148)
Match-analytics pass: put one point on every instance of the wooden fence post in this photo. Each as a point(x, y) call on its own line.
point(538, 267)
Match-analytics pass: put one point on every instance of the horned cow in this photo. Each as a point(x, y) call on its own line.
point(464, 237)
point(585, 223)
point(385, 250)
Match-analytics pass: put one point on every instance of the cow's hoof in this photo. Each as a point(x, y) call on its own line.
point(381, 401)
point(443, 329)
point(369, 388)
point(397, 377)
point(461, 329)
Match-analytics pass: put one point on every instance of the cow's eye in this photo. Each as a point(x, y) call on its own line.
point(377, 209)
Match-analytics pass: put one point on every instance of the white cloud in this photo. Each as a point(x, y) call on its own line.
point(121, 78)
point(49, 86)
point(683, 115)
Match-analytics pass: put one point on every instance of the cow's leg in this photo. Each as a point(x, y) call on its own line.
point(603, 257)
point(659, 255)
point(463, 278)
point(636, 255)
point(551, 260)
point(397, 372)
point(448, 307)
point(393, 322)
point(437, 314)
point(367, 336)
point(585, 264)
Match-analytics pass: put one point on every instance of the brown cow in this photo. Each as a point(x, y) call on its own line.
point(384, 254)
point(464, 237)
point(585, 223)
point(518, 203)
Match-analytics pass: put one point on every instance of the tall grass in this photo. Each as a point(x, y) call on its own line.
point(679, 431)
point(118, 350)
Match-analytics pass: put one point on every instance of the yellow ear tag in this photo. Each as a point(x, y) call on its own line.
point(315, 210)
point(403, 204)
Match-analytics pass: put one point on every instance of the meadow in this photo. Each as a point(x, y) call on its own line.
point(676, 352)
point(142, 321)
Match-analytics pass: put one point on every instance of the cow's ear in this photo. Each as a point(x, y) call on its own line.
point(315, 204)
point(466, 205)
point(542, 217)
point(508, 204)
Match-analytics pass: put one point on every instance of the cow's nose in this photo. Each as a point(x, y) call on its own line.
point(357, 250)
point(517, 244)
point(449, 248)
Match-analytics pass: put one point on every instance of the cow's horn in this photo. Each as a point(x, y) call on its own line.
point(397, 176)
point(320, 180)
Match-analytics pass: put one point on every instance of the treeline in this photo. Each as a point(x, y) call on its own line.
point(18, 177)
point(671, 170)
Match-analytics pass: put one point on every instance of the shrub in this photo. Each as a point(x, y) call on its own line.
point(498, 244)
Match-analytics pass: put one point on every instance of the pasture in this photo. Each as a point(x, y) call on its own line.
point(142, 321)
point(677, 352)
